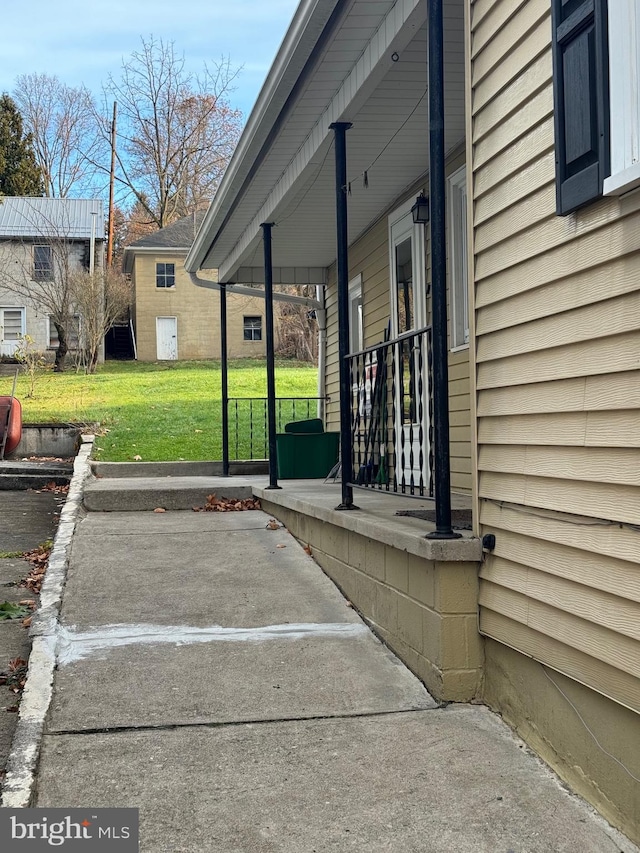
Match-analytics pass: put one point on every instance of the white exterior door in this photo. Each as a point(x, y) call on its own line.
point(408, 313)
point(167, 338)
point(11, 329)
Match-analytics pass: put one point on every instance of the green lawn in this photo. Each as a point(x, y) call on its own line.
point(165, 411)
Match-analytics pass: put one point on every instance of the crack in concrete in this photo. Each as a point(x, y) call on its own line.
point(223, 724)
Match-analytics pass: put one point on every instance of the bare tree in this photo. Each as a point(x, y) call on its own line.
point(297, 328)
point(65, 131)
point(177, 130)
point(101, 299)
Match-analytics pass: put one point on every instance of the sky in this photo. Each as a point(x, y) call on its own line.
point(83, 42)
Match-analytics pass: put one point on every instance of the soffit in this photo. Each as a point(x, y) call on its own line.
point(389, 139)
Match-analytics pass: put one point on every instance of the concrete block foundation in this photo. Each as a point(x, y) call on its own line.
point(424, 610)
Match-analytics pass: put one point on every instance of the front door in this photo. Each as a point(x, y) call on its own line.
point(167, 338)
point(408, 314)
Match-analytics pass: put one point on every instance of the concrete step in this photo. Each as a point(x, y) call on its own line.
point(21, 482)
point(16, 475)
point(17, 466)
point(135, 494)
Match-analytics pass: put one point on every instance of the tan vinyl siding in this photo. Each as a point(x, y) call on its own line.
point(332, 381)
point(369, 257)
point(557, 303)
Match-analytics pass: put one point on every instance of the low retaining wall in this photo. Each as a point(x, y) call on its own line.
point(60, 440)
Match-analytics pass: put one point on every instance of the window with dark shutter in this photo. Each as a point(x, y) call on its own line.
point(580, 89)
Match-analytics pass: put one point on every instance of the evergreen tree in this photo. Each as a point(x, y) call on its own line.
point(19, 172)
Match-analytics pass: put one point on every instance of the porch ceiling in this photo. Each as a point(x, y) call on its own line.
point(293, 185)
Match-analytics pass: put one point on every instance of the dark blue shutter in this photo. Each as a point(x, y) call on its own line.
point(580, 90)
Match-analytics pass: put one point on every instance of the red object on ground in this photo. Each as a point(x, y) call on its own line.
point(12, 407)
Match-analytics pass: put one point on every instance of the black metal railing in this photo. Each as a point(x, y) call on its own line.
point(248, 422)
point(391, 415)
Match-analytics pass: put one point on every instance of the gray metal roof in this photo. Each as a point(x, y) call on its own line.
point(68, 218)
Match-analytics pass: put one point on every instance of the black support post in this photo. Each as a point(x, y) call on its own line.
point(224, 366)
point(437, 220)
point(271, 369)
point(340, 134)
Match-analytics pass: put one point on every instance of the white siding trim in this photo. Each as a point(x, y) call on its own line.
point(624, 95)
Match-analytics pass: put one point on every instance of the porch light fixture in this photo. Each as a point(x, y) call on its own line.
point(420, 210)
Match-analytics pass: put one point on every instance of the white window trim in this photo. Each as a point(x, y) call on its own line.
point(624, 96)
point(458, 261)
point(245, 328)
point(356, 317)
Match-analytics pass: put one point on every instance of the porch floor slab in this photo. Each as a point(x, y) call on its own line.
point(375, 517)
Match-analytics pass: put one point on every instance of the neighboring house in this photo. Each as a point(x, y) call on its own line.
point(42, 242)
point(543, 280)
point(172, 318)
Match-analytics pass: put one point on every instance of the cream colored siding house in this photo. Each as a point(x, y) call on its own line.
point(557, 343)
point(535, 612)
point(175, 320)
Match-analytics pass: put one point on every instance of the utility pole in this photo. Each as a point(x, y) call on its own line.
point(112, 176)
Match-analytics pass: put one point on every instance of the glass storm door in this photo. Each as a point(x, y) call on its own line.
point(408, 313)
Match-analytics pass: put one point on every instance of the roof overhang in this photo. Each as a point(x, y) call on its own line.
point(361, 61)
point(131, 252)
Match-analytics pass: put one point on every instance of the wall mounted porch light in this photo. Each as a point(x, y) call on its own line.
point(420, 210)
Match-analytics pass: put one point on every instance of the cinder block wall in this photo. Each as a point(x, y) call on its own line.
point(426, 611)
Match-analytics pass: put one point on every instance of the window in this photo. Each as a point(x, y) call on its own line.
point(73, 333)
point(624, 96)
point(356, 329)
point(458, 258)
point(165, 275)
point(252, 328)
point(42, 263)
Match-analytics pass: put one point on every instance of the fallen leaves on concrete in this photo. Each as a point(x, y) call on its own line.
point(216, 504)
point(38, 558)
point(273, 524)
point(47, 458)
point(159, 509)
point(15, 676)
point(54, 487)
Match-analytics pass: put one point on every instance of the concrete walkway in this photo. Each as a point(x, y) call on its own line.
point(211, 675)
